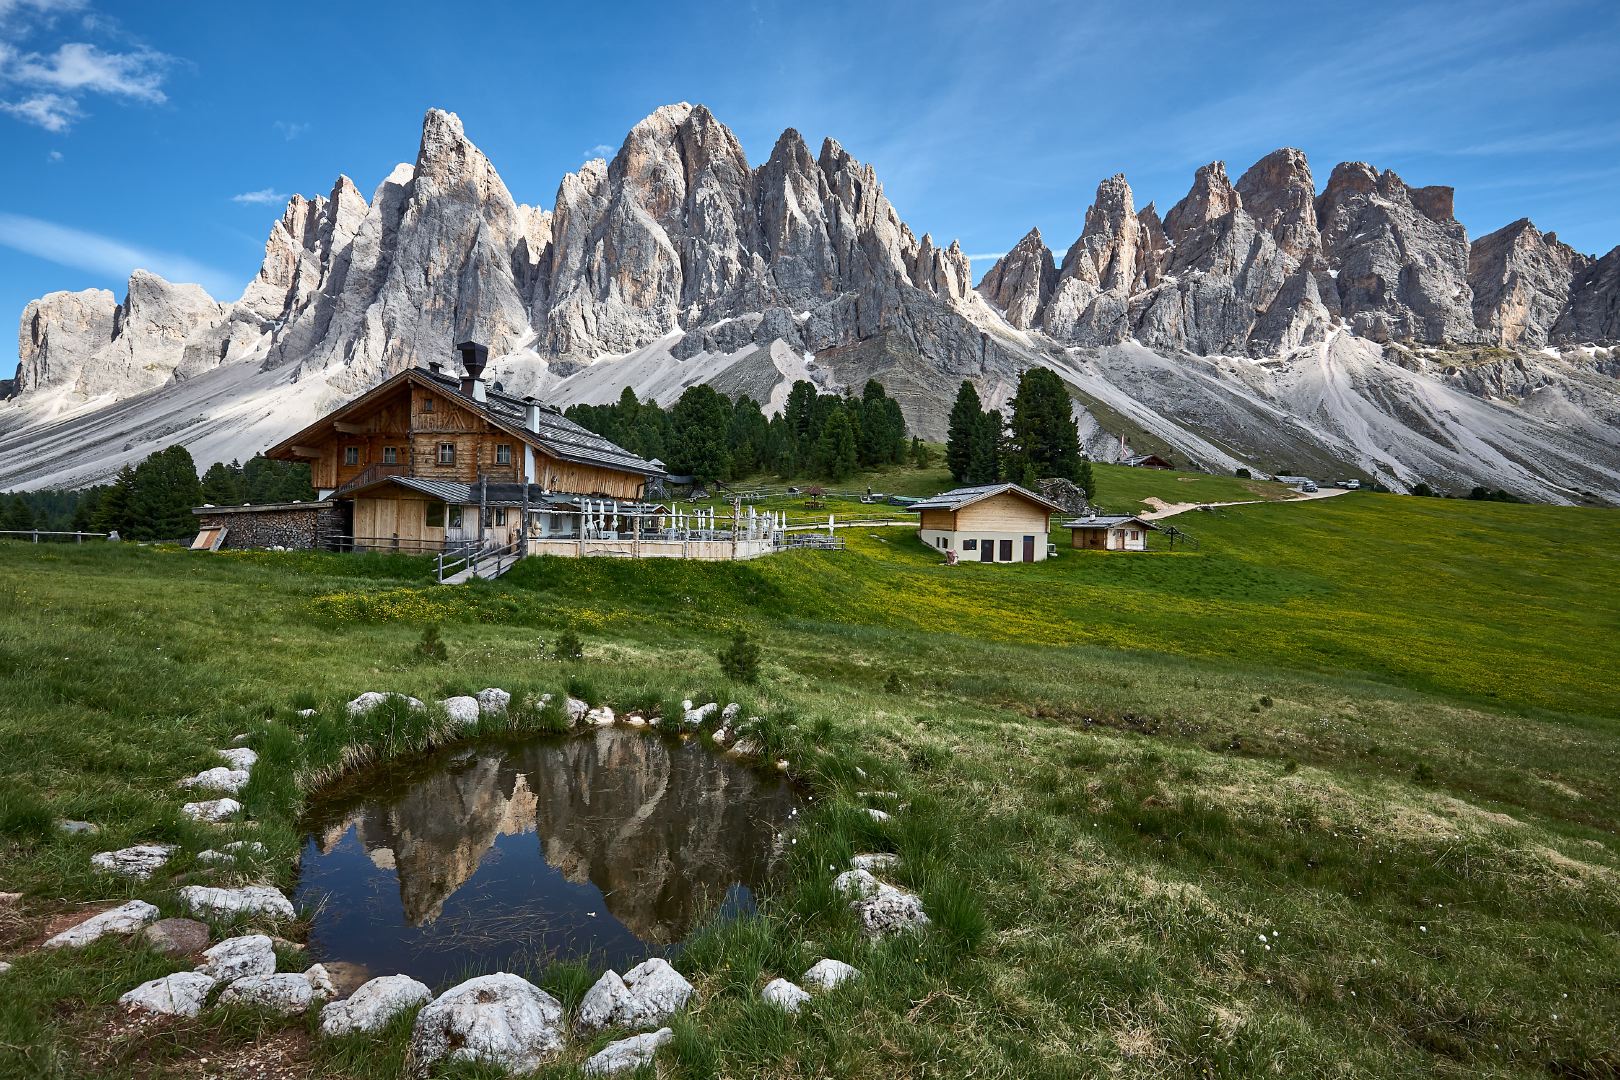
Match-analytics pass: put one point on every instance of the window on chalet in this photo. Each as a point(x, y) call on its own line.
point(503, 454)
point(500, 515)
point(435, 515)
point(455, 517)
point(427, 404)
point(390, 455)
point(447, 453)
point(351, 455)
point(970, 545)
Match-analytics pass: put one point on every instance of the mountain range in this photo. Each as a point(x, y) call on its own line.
point(1353, 331)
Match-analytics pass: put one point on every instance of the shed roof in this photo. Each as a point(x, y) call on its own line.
point(957, 498)
point(1108, 521)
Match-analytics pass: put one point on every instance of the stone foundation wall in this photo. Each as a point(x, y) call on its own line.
point(298, 526)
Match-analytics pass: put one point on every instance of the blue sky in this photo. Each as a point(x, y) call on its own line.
point(167, 135)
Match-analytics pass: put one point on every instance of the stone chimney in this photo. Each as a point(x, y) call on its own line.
point(473, 358)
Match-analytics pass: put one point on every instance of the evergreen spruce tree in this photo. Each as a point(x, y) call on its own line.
point(1044, 435)
point(700, 420)
point(113, 513)
point(747, 434)
point(836, 456)
point(166, 489)
point(16, 514)
point(1085, 481)
point(967, 419)
point(222, 485)
point(800, 413)
point(985, 465)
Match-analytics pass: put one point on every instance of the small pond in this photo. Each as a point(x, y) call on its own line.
point(610, 847)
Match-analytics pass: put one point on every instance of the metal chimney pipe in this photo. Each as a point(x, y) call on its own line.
point(473, 359)
point(531, 414)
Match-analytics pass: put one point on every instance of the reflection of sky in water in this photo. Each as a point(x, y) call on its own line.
point(675, 836)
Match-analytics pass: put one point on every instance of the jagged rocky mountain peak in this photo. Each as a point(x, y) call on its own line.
point(677, 261)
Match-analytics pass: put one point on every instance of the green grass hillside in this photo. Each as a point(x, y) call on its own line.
point(1333, 795)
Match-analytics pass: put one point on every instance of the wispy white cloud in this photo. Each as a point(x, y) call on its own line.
point(290, 129)
point(600, 150)
point(54, 156)
point(53, 112)
point(47, 89)
point(991, 255)
point(78, 66)
point(262, 197)
point(106, 255)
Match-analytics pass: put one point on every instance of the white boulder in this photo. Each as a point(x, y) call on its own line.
point(240, 958)
point(236, 849)
point(374, 1004)
point(123, 919)
point(321, 986)
point(875, 863)
point(4, 967)
point(500, 1019)
point(220, 778)
point(730, 713)
point(881, 908)
point(648, 994)
point(461, 710)
point(575, 710)
point(240, 757)
point(136, 862)
point(306, 713)
point(876, 815)
point(211, 809)
point(493, 701)
point(228, 903)
point(631, 1053)
point(371, 699)
point(829, 974)
point(696, 716)
point(784, 995)
point(182, 994)
point(602, 716)
point(287, 994)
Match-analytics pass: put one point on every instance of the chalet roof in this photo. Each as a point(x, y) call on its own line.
point(558, 435)
point(967, 496)
point(1107, 521)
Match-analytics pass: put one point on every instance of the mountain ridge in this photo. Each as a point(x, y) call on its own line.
point(677, 261)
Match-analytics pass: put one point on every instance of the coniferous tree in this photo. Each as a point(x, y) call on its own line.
point(222, 484)
point(16, 514)
point(836, 456)
point(1044, 435)
point(164, 491)
point(800, 413)
point(1085, 481)
point(747, 434)
point(113, 515)
point(967, 420)
point(700, 420)
point(985, 466)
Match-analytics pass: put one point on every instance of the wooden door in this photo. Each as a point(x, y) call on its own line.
point(1029, 549)
point(987, 550)
point(1006, 551)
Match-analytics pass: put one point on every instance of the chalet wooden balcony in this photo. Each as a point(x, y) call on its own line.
point(370, 475)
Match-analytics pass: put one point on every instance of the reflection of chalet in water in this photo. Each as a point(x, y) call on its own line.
point(433, 462)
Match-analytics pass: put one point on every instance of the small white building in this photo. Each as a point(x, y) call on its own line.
point(993, 523)
point(1104, 532)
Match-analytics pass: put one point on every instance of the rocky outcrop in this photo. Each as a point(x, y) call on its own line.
point(1021, 281)
point(1521, 280)
point(1593, 314)
point(1399, 257)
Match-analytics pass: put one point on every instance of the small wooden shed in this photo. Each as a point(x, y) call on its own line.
point(993, 523)
point(1116, 532)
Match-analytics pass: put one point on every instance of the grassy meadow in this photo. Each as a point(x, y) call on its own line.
point(1332, 795)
